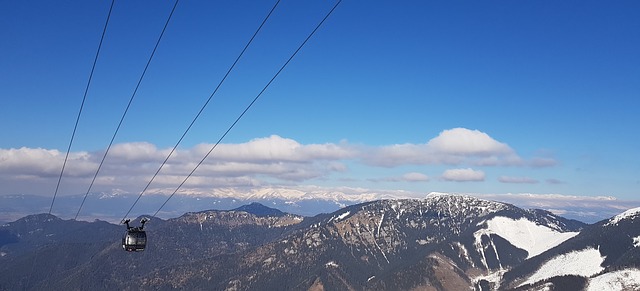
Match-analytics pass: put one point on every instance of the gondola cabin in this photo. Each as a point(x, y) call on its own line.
point(134, 240)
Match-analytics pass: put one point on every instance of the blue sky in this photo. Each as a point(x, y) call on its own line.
point(452, 96)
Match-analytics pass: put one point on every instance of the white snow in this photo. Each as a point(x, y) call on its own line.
point(547, 287)
point(380, 223)
point(584, 263)
point(494, 278)
point(342, 216)
point(268, 261)
point(292, 195)
point(624, 215)
point(627, 279)
point(331, 264)
point(524, 234)
point(465, 253)
point(636, 241)
point(438, 194)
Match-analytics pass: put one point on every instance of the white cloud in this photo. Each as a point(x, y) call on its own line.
point(408, 177)
point(463, 175)
point(517, 180)
point(276, 148)
point(131, 165)
point(42, 162)
point(136, 152)
point(462, 141)
point(415, 177)
point(451, 147)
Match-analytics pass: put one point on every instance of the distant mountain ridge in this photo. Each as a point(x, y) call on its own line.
point(259, 210)
point(442, 242)
point(309, 201)
point(111, 206)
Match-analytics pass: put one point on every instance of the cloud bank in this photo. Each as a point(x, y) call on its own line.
point(463, 175)
point(517, 180)
point(260, 161)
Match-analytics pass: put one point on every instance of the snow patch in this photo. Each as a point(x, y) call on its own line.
point(465, 253)
point(628, 279)
point(629, 214)
point(425, 241)
point(584, 263)
point(268, 261)
point(438, 194)
point(524, 234)
point(494, 278)
point(342, 216)
point(636, 241)
point(380, 223)
point(331, 264)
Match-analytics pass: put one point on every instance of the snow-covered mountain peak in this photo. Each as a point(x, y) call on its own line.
point(111, 194)
point(465, 203)
point(438, 194)
point(350, 195)
point(629, 214)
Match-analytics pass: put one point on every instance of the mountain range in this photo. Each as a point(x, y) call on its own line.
point(112, 205)
point(441, 242)
point(306, 201)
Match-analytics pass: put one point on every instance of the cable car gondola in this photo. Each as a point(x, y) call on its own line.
point(135, 238)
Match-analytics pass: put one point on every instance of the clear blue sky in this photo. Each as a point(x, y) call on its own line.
point(457, 96)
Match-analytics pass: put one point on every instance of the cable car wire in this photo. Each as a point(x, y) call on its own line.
point(84, 98)
point(248, 107)
point(135, 91)
point(203, 107)
point(75, 127)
